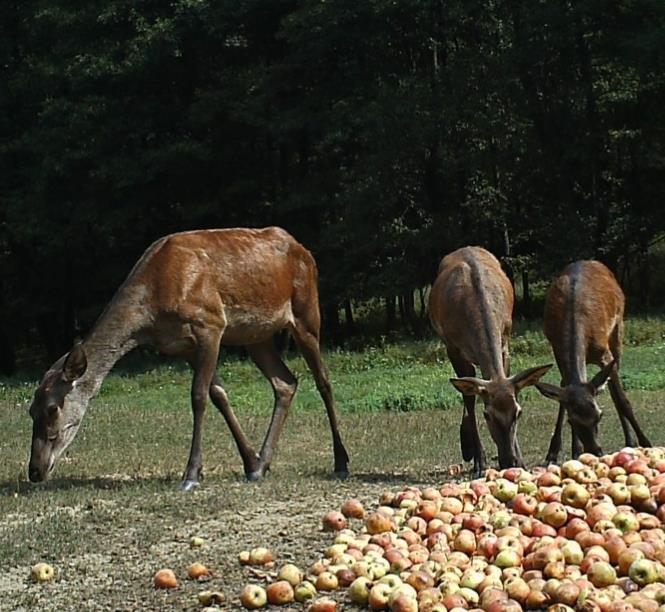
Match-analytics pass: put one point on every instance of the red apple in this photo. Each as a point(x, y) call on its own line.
point(279, 593)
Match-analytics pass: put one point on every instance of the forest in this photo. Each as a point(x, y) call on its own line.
point(382, 134)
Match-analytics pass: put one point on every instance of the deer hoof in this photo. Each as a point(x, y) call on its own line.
point(188, 485)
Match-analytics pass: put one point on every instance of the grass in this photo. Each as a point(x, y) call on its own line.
point(112, 515)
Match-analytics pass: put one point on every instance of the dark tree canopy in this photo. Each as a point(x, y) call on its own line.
point(382, 134)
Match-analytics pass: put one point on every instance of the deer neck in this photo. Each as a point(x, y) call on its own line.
point(574, 337)
point(116, 332)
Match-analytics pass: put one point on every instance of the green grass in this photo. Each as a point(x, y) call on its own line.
point(112, 513)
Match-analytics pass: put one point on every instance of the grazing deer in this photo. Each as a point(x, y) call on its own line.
point(187, 294)
point(584, 324)
point(470, 308)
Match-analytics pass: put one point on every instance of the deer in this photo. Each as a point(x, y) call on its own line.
point(189, 294)
point(583, 322)
point(470, 308)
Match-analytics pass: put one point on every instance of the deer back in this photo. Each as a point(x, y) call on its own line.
point(246, 281)
point(583, 308)
point(471, 306)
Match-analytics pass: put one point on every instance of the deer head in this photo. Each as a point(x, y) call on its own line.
point(579, 401)
point(56, 412)
point(502, 409)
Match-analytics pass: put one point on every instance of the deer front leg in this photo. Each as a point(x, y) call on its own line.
point(625, 410)
point(472, 435)
point(470, 443)
point(555, 443)
point(250, 459)
point(576, 447)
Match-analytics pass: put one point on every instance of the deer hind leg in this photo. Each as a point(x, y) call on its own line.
point(204, 363)
point(284, 385)
point(625, 410)
point(470, 443)
point(307, 340)
point(250, 459)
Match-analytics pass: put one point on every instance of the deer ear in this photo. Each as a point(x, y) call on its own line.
point(75, 364)
point(529, 377)
point(551, 391)
point(469, 385)
point(599, 380)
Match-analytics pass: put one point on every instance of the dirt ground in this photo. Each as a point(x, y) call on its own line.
point(120, 534)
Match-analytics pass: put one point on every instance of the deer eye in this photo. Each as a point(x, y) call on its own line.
point(52, 437)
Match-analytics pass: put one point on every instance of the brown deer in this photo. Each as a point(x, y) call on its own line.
point(187, 294)
point(584, 324)
point(470, 307)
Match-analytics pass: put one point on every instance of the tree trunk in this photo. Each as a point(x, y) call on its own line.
point(7, 354)
point(526, 292)
point(348, 314)
point(408, 307)
point(390, 312)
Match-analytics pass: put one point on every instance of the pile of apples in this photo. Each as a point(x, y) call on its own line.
point(586, 535)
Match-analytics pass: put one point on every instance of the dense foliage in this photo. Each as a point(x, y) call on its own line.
point(382, 134)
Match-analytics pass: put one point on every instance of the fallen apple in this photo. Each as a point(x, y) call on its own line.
point(42, 572)
point(165, 579)
point(253, 596)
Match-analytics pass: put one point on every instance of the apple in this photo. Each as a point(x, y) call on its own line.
point(465, 541)
point(209, 598)
point(260, 555)
point(639, 493)
point(42, 572)
point(345, 576)
point(567, 593)
point(619, 493)
point(378, 596)
point(499, 519)
point(420, 580)
point(333, 521)
point(326, 581)
point(165, 579)
point(602, 574)
point(626, 559)
point(305, 591)
point(643, 571)
point(253, 596)
point(243, 557)
point(570, 468)
point(508, 557)
point(377, 522)
point(196, 542)
point(554, 514)
point(524, 503)
point(359, 590)
point(291, 573)
point(280, 593)
point(353, 508)
point(572, 552)
point(626, 521)
point(575, 495)
point(323, 604)
point(196, 571)
point(505, 490)
point(517, 589)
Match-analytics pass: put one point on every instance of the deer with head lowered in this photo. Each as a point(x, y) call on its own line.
point(188, 294)
point(470, 308)
point(583, 322)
